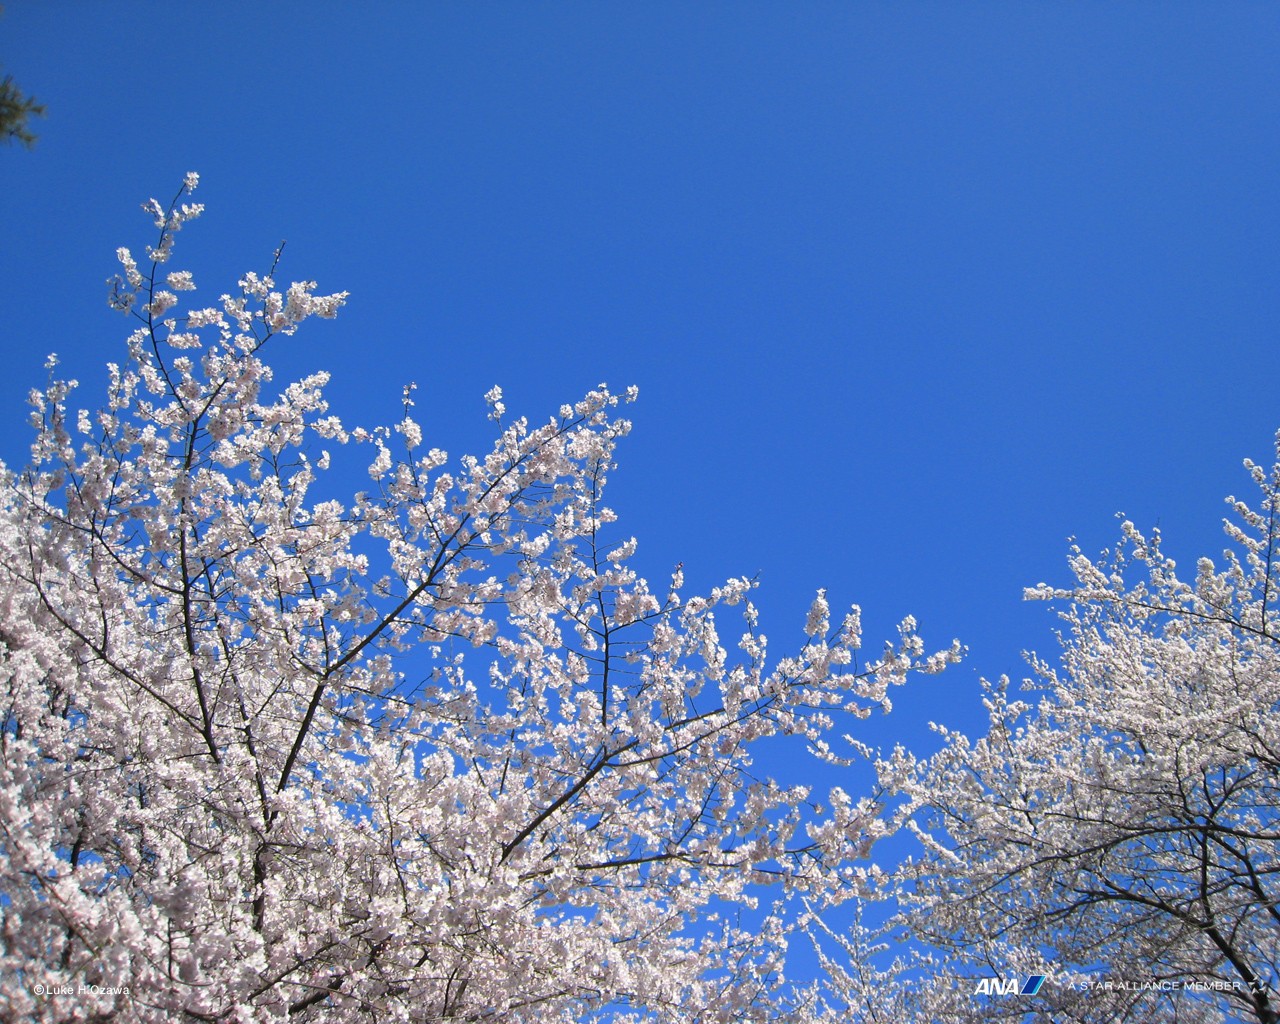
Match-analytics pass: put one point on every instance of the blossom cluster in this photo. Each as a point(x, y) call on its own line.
point(247, 774)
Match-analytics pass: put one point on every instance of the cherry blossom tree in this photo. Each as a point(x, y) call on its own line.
point(1119, 832)
point(246, 773)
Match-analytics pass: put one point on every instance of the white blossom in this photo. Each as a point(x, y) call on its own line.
point(1120, 811)
point(246, 773)
point(161, 302)
point(493, 397)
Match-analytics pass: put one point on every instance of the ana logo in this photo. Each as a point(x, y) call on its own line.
point(1009, 986)
point(996, 987)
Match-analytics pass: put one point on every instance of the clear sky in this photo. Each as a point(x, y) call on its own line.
point(912, 292)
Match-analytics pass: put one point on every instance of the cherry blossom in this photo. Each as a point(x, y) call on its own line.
point(430, 751)
point(1115, 827)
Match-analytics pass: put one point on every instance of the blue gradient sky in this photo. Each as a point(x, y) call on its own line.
point(912, 292)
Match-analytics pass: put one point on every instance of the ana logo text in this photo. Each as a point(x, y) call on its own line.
point(1009, 986)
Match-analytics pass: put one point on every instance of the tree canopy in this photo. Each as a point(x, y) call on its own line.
point(431, 748)
point(16, 111)
point(248, 773)
point(1116, 829)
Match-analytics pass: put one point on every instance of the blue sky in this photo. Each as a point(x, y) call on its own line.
point(912, 292)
